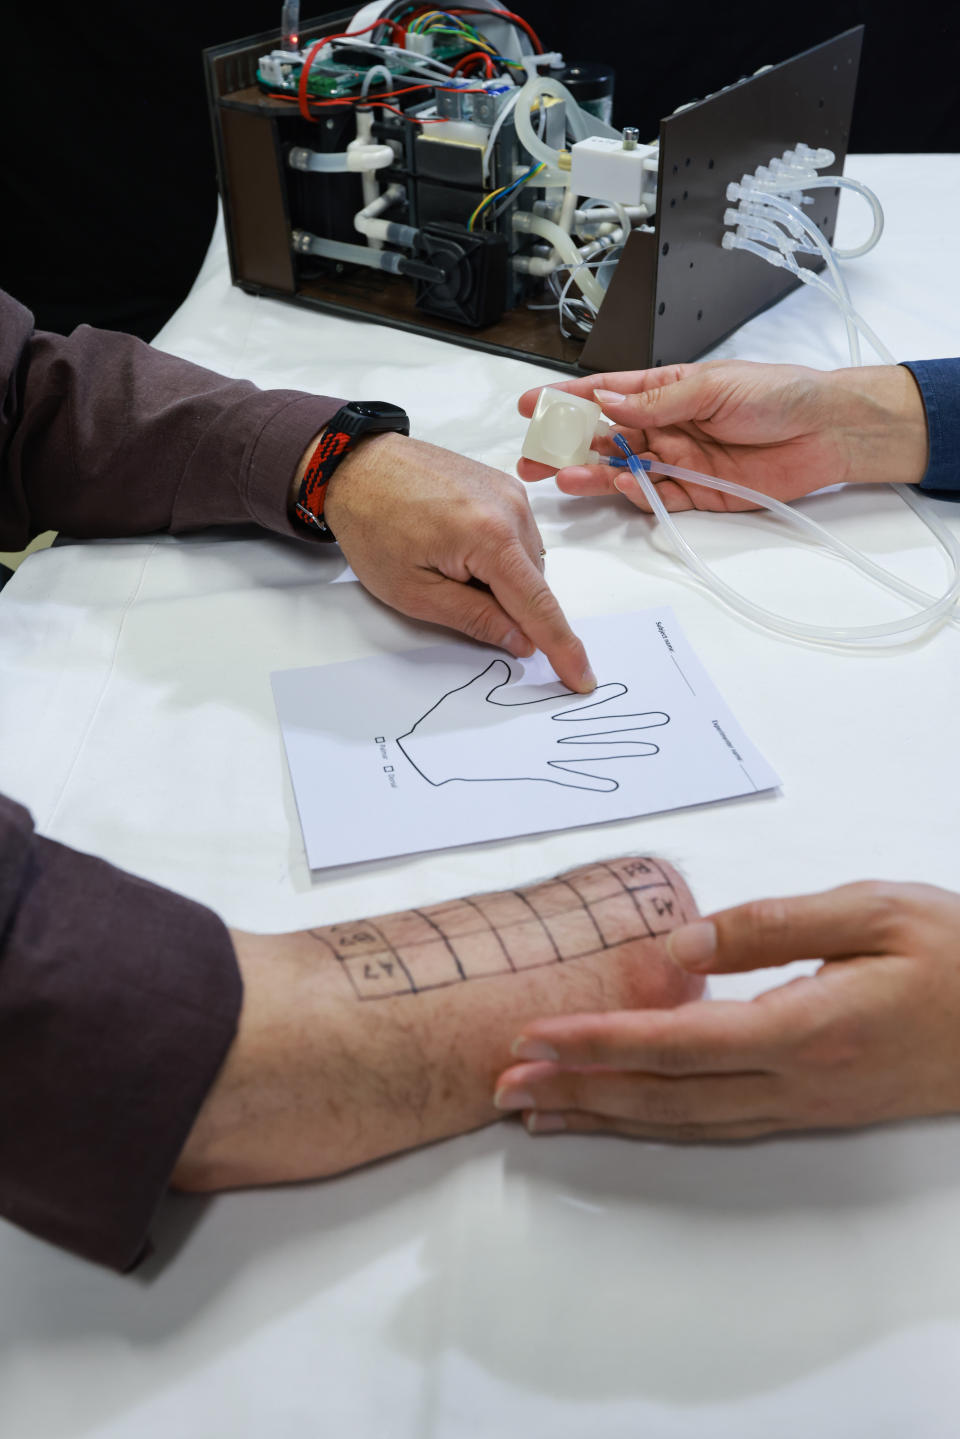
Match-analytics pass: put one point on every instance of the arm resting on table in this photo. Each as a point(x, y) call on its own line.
point(360, 1040)
point(100, 435)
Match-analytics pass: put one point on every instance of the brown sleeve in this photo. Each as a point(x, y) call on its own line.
point(118, 1003)
point(100, 435)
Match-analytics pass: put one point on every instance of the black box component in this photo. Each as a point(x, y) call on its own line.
point(674, 293)
point(475, 274)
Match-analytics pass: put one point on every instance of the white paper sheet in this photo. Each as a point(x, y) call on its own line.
point(457, 744)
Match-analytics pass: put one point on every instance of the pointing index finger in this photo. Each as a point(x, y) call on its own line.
point(519, 587)
point(854, 919)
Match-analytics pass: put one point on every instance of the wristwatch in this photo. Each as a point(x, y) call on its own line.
point(351, 422)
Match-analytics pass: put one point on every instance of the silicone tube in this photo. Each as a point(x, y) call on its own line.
point(565, 247)
point(830, 182)
point(828, 634)
point(530, 93)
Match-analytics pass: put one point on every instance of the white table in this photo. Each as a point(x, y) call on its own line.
point(496, 1285)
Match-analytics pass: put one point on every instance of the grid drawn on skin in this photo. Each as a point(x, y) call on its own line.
point(656, 909)
point(581, 933)
point(373, 966)
point(613, 907)
point(444, 940)
point(372, 972)
point(488, 929)
point(525, 938)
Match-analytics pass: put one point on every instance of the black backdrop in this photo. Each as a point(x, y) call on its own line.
point(107, 187)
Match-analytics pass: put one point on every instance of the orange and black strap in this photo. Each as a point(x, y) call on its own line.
point(327, 452)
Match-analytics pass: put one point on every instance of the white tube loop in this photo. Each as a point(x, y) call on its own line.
point(530, 93)
point(925, 617)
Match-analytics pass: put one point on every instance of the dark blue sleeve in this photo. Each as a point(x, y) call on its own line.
point(939, 382)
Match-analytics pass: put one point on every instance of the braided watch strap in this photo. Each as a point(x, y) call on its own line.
point(327, 452)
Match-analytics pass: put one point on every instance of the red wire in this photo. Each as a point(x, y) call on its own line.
point(475, 55)
point(414, 119)
point(330, 40)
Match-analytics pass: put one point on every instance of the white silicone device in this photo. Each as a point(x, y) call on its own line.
point(561, 430)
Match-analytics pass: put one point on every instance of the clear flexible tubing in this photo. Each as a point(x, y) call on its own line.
point(780, 258)
point(828, 634)
point(830, 182)
point(852, 316)
point(826, 250)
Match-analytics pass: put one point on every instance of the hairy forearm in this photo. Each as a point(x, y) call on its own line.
point(359, 1040)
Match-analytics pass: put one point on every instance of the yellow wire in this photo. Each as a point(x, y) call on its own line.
point(487, 200)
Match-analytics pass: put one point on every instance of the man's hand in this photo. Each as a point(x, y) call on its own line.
point(425, 529)
point(358, 1040)
point(780, 429)
point(872, 1036)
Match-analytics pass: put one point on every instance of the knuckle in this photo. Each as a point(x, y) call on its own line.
point(499, 533)
point(764, 920)
point(886, 907)
point(540, 606)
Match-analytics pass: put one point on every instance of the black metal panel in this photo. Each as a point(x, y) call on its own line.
point(704, 292)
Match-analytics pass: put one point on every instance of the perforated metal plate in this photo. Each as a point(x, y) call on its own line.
point(701, 292)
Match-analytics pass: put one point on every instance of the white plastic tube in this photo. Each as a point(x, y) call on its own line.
point(826, 250)
point(565, 248)
point(368, 178)
point(852, 316)
point(530, 93)
point(827, 634)
point(356, 159)
point(830, 182)
point(369, 224)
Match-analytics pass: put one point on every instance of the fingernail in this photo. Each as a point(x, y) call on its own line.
point(534, 1049)
point(537, 1123)
point(694, 946)
point(588, 681)
point(512, 1099)
point(609, 397)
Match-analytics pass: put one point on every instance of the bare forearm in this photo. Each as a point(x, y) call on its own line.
point(879, 417)
point(360, 1040)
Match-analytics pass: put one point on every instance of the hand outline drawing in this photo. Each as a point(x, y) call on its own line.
point(461, 737)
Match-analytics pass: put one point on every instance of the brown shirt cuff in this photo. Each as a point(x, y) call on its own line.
point(118, 1003)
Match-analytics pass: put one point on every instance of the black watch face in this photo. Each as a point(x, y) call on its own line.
point(379, 413)
point(377, 409)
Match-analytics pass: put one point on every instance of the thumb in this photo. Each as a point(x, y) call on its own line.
point(836, 924)
point(674, 402)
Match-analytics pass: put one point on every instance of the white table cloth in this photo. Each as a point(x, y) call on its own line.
point(497, 1285)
